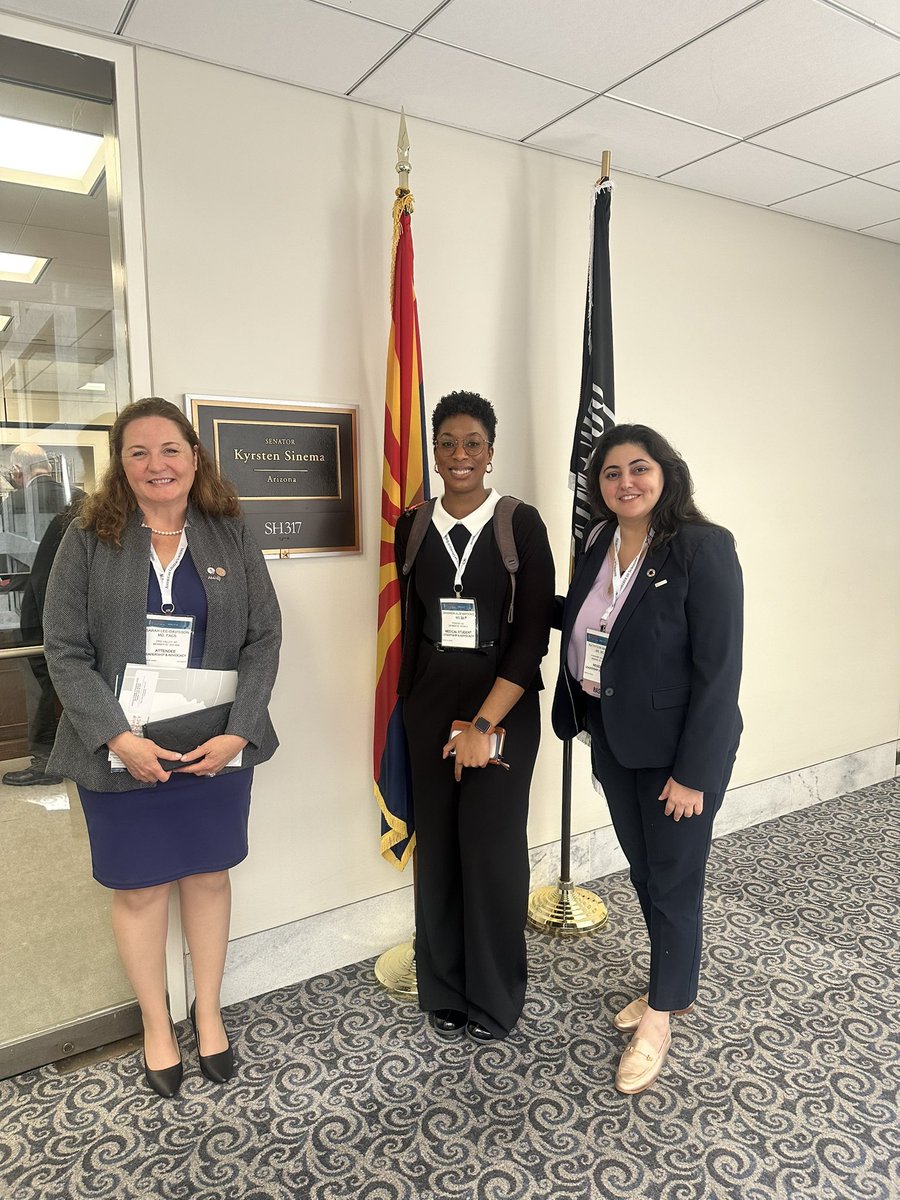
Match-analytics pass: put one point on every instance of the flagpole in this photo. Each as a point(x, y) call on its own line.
point(395, 969)
point(564, 910)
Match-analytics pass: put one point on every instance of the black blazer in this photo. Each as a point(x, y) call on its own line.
point(672, 670)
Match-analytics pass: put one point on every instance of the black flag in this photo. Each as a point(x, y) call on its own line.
point(596, 406)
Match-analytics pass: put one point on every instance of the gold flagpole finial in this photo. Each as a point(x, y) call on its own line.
point(403, 167)
point(605, 165)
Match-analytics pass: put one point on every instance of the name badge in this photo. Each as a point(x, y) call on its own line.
point(596, 641)
point(459, 623)
point(168, 640)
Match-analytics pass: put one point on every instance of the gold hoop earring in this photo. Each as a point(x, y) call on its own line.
point(436, 469)
point(489, 468)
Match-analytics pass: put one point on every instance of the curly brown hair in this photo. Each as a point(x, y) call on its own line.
point(108, 509)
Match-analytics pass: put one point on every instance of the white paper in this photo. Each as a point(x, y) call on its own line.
point(153, 693)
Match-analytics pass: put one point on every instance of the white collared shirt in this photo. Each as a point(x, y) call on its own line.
point(474, 522)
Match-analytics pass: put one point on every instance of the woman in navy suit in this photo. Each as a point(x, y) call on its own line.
point(651, 666)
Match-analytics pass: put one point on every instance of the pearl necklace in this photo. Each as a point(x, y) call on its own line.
point(163, 532)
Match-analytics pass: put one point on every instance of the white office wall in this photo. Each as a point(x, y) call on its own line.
point(764, 346)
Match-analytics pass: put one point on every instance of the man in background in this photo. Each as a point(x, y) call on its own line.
point(38, 509)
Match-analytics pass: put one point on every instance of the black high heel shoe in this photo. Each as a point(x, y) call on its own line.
point(218, 1068)
point(167, 1081)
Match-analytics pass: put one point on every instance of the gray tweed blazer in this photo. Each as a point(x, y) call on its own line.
point(94, 623)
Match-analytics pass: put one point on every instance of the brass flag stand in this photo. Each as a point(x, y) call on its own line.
point(565, 910)
point(395, 970)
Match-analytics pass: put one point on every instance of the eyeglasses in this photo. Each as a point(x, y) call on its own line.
point(473, 446)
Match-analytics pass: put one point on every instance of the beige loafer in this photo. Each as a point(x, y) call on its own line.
point(640, 1064)
point(629, 1017)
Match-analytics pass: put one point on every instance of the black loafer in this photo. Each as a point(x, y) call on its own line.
point(218, 1068)
point(478, 1033)
point(29, 776)
point(447, 1022)
point(167, 1081)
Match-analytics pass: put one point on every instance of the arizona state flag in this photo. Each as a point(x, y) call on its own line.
point(597, 404)
point(403, 482)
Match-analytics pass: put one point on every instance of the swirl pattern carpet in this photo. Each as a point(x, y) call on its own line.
point(782, 1085)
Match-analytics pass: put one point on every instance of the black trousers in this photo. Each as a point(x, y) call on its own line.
point(40, 700)
point(667, 859)
point(472, 847)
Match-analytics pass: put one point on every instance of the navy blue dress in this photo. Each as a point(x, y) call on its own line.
point(187, 826)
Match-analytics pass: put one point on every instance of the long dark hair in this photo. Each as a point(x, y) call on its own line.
point(108, 509)
point(676, 504)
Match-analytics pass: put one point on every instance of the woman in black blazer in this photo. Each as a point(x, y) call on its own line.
point(650, 669)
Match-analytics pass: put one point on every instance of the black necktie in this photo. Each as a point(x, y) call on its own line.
point(459, 536)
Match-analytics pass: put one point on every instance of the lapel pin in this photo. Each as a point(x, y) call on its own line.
point(661, 583)
point(651, 573)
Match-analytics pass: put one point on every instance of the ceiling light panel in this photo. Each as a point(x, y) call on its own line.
point(774, 62)
point(20, 268)
point(853, 135)
point(440, 83)
point(852, 204)
point(47, 156)
point(752, 174)
point(5, 321)
point(641, 141)
point(583, 42)
point(301, 42)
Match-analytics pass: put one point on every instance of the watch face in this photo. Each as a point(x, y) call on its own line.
point(482, 725)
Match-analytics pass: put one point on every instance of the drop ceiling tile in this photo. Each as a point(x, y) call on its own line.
point(440, 83)
point(589, 43)
point(91, 14)
point(296, 40)
point(640, 141)
point(889, 232)
point(852, 204)
point(750, 173)
point(771, 63)
point(403, 14)
point(853, 135)
point(16, 201)
point(68, 210)
point(10, 232)
point(76, 249)
point(885, 12)
point(888, 176)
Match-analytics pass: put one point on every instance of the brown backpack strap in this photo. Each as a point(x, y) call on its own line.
point(420, 524)
point(506, 543)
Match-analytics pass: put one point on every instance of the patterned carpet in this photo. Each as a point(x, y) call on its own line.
point(783, 1085)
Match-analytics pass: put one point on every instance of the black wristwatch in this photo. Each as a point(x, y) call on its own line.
point(482, 725)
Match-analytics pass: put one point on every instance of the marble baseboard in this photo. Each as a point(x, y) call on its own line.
point(273, 958)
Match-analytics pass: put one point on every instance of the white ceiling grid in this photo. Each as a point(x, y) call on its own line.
point(778, 103)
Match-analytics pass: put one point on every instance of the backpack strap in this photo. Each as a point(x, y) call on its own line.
point(420, 524)
point(506, 543)
point(503, 534)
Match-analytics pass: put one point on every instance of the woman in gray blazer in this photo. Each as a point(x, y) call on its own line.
point(160, 569)
point(651, 666)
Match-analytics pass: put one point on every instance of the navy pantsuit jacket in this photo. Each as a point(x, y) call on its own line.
point(672, 669)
